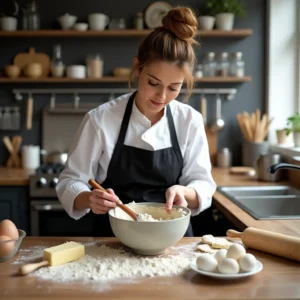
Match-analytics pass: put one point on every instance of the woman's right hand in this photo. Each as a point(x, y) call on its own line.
point(101, 202)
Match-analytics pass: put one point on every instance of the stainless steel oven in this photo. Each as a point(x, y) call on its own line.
point(47, 216)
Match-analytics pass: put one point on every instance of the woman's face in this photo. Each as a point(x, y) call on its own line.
point(159, 83)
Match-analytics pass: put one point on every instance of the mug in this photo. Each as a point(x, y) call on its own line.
point(98, 21)
point(9, 23)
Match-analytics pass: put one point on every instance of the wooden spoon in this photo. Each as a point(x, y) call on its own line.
point(129, 211)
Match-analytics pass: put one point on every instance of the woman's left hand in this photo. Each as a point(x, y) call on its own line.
point(175, 195)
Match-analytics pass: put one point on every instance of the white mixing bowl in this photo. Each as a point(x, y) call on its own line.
point(146, 237)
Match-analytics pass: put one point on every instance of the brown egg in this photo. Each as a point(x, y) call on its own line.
point(9, 229)
point(6, 247)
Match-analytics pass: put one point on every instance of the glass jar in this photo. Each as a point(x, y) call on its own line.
point(198, 71)
point(237, 65)
point(16, 118)
point(57, 65)
point(209, 65)
point(31, 17)
point(94, 64)
point(139, 21)
point(223, 65)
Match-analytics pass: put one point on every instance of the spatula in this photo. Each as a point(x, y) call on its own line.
point(129, 211)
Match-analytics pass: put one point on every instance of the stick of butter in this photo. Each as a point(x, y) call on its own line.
point(56, 255)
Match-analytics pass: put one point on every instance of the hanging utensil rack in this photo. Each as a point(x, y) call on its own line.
point(112, 91)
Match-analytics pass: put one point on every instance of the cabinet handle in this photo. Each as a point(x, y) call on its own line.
point(48, 207)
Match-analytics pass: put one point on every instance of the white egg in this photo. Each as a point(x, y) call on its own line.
point(220, 254)
point(207, 262)
point(228, 266)
point(236, 251)
point(247, 262)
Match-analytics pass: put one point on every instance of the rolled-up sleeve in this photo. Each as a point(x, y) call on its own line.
point(82, 164)
point(196, 172)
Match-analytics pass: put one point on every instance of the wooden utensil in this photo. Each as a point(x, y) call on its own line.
point(23, 59)
point(13, 147)
point(269, 242)
point(253, 127)
point(125, 208)
point(29, 112)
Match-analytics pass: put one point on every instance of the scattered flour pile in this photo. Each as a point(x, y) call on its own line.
point(105, 263)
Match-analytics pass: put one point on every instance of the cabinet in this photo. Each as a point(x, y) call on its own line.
point(14, 205)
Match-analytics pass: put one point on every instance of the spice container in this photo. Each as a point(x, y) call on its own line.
point(237, 65)
point(57, 65)
point(198, 71)
point(94, 65)
point(6, 119)
point(15, 118)
point(222, 65)
point(224, 158)
point(209, 65)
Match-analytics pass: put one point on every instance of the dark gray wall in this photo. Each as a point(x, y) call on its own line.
point(120, 51)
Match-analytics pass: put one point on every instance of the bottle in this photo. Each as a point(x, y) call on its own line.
point(139, 21)
point(31, 17)
point(209, 65)
point(223, 65)
point(198, 71)
point(57, 65)
point(237, 65)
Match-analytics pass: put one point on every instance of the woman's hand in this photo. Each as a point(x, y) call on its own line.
point(101, 202)
point(175, 195)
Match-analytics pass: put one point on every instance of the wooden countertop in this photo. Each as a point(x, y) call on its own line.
point(19, 177)
point(14, 176)
point(279, 279)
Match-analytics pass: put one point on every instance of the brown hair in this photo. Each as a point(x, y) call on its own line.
point(172, 42)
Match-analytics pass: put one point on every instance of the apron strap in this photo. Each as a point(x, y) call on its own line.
point(174, 139)
point(126, 119)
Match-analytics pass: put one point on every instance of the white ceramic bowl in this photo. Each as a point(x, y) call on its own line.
point(76, 71)
point(81, 26)
point(150, 238)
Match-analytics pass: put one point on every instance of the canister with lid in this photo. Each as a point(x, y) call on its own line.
point(224, 158)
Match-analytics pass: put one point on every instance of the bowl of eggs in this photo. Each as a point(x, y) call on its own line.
point(227, 264)
point(10, 239)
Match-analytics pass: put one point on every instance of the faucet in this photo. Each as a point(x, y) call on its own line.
point(275, 167)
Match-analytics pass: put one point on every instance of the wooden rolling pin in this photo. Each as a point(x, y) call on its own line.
point(270, 242)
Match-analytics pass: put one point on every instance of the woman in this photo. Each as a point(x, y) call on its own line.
point(144, 146)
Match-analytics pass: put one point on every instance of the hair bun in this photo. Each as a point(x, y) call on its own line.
point(182, 22)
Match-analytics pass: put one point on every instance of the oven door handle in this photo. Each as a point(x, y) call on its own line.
point(47, 207)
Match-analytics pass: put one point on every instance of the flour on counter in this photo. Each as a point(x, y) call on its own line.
point(103, 263)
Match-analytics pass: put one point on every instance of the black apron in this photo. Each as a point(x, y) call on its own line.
point(140, 175)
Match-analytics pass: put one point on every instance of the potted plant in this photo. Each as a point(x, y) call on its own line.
point(293, 124)
point(206, 21)
point(225, 12)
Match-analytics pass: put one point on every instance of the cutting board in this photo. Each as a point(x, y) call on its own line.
point(23, 59)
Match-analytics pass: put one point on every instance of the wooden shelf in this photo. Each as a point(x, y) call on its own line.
point(236, 33)
point(113, 79)
point(224, 79)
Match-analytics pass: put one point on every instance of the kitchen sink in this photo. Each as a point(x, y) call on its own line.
point(265, 202)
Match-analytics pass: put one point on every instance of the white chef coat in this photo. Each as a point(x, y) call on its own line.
point(93, 145)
